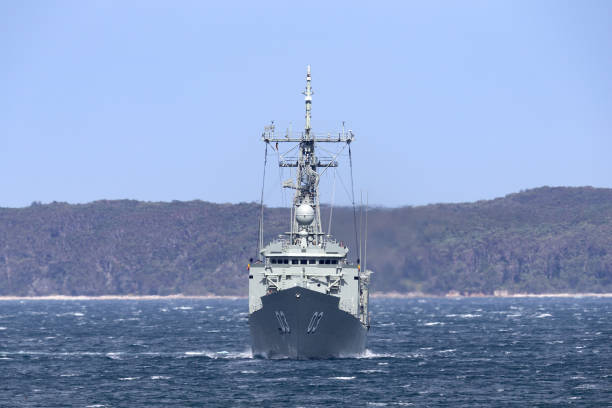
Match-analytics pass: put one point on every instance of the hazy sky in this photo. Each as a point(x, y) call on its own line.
point(450, 101)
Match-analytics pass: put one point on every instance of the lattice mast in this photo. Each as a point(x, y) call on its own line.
point(307, 214)
point(306, 221)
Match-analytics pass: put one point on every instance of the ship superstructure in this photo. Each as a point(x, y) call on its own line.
point(306, 298)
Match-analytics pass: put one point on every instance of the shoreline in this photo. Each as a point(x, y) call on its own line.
point(121, 297)
point(453, 295)
point(374, 295)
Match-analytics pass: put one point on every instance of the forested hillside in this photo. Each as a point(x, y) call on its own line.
point(541, 240)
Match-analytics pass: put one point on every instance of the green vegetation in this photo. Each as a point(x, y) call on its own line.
point(539, 241)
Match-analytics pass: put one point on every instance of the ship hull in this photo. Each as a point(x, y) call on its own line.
point(304, 324)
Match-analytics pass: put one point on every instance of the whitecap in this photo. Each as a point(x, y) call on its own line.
point(248, 372)
point(2, 328)
point(586, 387)
point(370, 354)
point(342, 378)
point(113, 356)
point(220, 354)
point(447, 351)
point(128, 378)
point(372, 371)
point(183, 308)
point(469, 315)
point(160, 377)
point(197, 353)
point(543, 315)
point(434, 323)
point(95, 406)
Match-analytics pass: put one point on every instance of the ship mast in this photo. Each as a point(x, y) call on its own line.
point(306, 227)
point(308, 99)
point(307, 216)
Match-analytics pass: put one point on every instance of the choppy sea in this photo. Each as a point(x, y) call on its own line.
point(465, 352)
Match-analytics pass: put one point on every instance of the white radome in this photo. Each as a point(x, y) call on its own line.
point(304, 214)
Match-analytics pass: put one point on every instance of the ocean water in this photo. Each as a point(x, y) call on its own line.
point(195, 353)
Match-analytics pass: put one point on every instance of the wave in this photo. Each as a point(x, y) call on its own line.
point(370, 354)
point(220, 354)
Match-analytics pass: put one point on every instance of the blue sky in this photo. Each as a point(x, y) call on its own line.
point(160, 101)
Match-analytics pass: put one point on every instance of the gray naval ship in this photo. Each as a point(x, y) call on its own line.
point(306, 298)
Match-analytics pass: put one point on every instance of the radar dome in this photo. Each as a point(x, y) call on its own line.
point(304, 214)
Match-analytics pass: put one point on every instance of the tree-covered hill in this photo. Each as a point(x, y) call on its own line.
point(541, 240)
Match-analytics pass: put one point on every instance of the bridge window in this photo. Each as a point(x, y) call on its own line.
point(312, 261)
point(285, 261)
point(273, 260)
point(303, 261)
point(334, 261)
point(294, 261)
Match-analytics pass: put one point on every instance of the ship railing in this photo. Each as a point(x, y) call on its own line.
point(321, 162)
point(269, 135)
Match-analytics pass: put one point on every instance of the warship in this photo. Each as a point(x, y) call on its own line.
point(307, 300)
